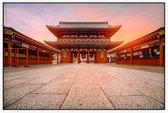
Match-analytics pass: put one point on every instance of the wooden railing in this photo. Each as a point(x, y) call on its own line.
point(20, 59)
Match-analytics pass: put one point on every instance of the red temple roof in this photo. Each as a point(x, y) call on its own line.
point(80, 27)
point(144, 39)
point(19, 36)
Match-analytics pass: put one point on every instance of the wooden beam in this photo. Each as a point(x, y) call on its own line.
point(9, 51)
point(4, 56)
point(161, 52)
point(88, 55)
point(16, 57)
point(131, 57)
point(57, 57)
point(50, 57)
point(37, 56)
point(27, 58)
point(78, 57)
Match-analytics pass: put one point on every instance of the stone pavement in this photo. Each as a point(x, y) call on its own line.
point(82, 86)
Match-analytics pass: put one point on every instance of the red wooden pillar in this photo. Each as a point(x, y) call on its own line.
point(9, 51)
point(117, 59)
point(27, 58)
point(42, 53)
point(97, 56)
point(88, 55)
point(4, 56)
point(131, 57)
point(78, 57)
point(69, 56)
point(37, 56)
point(50, 57)
point(110, 60)
point(105, 56)
point(57, 57)
point(161, 52)
point(16, 57)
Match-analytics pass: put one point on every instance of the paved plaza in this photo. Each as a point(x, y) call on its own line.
point(83, 86)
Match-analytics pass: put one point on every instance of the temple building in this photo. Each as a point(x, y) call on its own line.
point(20, 49)
point(146, 50)
point(79, 42)
point(83, 41)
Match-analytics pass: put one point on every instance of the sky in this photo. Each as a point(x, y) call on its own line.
point(136, 19)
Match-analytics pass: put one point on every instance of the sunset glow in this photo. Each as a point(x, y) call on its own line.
point(136, 19)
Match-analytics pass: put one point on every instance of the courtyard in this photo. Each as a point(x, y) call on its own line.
point(84, 86)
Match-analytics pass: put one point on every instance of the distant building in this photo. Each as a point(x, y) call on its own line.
point(22, 50)
point(146, 50)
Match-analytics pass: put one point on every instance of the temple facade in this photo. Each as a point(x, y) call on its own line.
point(83, 41)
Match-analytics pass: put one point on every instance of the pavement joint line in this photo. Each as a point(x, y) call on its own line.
point(28, 93)
point(40, 83)
point(144, 77)
point(36, 71)
point(63, 78)
point(147, 95)
point(134, 67)
point(128, 85)
point(84, 83)
point(35, 84)
point(15, 78)
point(20, 98)
point(69, 88)
point(145, 84)
point(154, 99)
point(50, 93)
point(109, 95)
point(22, 72)
point(102, 89)
point(15, 85)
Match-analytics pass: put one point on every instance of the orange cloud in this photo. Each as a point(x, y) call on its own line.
point(136, 19)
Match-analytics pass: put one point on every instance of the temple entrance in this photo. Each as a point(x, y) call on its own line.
point(74, 57)
point(92, 57)
point(83, 57)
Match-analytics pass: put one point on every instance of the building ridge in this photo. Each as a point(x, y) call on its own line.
point(83, 22)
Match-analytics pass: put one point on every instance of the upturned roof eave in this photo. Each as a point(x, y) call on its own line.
point(156, 32)
point(57, 27)
point(29, 40)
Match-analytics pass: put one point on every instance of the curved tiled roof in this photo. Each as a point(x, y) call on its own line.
point(83, 26)
point(19, 36)
point(149, 37)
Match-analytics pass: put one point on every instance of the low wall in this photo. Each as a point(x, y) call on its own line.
point(147, 61)
point(23, 61)
point(141, 62)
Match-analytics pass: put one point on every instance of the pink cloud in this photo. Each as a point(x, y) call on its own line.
point(136, 19)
